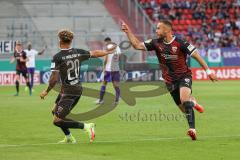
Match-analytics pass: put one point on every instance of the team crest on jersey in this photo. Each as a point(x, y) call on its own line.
point(187, 80)
point(174, 49)
point(160, 48)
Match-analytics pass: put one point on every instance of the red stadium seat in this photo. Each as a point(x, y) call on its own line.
point(188, 16)
point(231, 11)
point(180, 27)
point(193, 22)
point(236, 32)
point(185, 27)
point(175, 22)
point(188, 22)
point(185, 11)
point(182, 22)
point(199, 21)
point(222, 21)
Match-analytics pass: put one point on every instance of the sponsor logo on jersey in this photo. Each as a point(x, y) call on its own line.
point(60, 109)
point(187, 80)
point(168, 56)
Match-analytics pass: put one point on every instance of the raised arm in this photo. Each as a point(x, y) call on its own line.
point(42, 51)
point(204, 65)
point(132, 38)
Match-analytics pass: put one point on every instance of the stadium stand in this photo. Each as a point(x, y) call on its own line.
point(206, 23)
point(38, 22)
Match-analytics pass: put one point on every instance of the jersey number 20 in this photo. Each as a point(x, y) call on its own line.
point(74, 68)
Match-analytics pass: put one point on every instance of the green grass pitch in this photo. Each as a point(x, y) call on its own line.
point(27, 133)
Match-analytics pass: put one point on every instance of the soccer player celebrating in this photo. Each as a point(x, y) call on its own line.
point(66, 64)
point(111, 72)
point(21, 68)
point(31, 53)
point(172, 53)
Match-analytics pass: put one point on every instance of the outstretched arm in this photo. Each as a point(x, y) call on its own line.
point(204, 65)
point(52, 82)
point(101, 53)
point(132, 38)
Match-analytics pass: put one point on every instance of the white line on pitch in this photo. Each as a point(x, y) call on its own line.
point(119, 141)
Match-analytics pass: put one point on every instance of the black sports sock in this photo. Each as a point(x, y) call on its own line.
point(29, 86)
point(189, 113)
point(68, 123)
point(17, 86)
point(65, 131)
point(32, 80)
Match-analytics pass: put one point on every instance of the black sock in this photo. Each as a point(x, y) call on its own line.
point(65, 131)
point(188, 105)
point(29, 86)
point(32, 80)
point(68, 123)
point(17, 86)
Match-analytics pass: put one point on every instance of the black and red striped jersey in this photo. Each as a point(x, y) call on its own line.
point(20, 65)
point(172, 57)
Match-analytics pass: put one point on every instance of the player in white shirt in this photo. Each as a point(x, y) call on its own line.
point(111, 72)
point(31, 54)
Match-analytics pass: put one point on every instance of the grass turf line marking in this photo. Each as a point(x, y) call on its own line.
point(118, 141)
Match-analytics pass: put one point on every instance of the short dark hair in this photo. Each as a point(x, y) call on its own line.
point(65, 35)
point(107, 39)
point(167, 22)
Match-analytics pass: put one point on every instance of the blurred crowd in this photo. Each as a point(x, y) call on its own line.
point(212, 23)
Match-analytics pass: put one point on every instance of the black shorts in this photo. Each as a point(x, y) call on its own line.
point(64, 104)
point(23, 72)
point(58, 98)
point(174, 88)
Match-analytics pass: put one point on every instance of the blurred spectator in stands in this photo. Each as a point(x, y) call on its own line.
point(161, 16)
point(153, 4)
point(222, 14)
point(172, 14)
point(215, 23)
point(233, 24)
point(202, 50)
point(199, 13)
point(178, 14)
point(166, 5)
point(145, 5)
point(187, 5)
point(204, 27)
point(194, 4)
point(238, 23)
point(227, 26)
